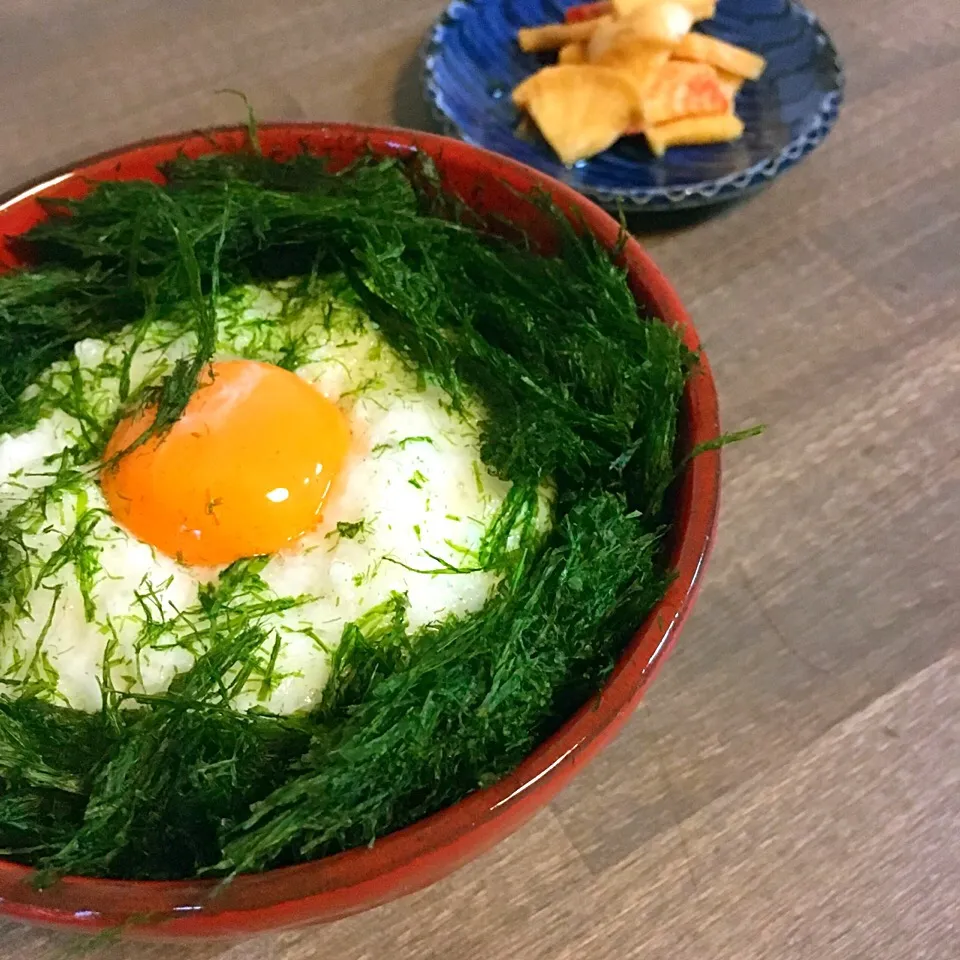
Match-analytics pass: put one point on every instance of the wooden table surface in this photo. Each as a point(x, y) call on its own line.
point(790, 789)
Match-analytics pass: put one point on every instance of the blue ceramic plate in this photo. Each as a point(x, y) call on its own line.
point(472, 63)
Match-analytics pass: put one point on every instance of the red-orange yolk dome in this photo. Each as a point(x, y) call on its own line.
point(243, 472)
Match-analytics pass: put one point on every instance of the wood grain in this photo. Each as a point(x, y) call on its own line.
point(790, 787)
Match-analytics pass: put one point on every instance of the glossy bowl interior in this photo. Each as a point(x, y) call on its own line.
point(414, 857)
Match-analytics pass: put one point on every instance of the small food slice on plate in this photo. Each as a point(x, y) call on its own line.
point(639, 48)
point(703, 49)
point(555, 36)
point(633, 66)
point(665, 24)
point(731, 85)
point(641, 64)
point(580, 110)
point(588, 11)
point(698, 9)
point(693, 131)
point(636, 58)
point(682, 89)
point(572, 54)
point(730, 82)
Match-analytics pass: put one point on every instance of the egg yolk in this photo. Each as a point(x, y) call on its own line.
point(243, 472)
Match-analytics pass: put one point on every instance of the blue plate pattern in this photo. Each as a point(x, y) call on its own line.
point(471, 63)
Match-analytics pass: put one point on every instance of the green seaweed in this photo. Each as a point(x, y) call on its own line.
point(578, 391)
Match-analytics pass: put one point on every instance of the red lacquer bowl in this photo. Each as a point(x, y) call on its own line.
point(417, 856)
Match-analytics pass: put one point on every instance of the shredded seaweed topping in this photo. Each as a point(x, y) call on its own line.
point(579, 391)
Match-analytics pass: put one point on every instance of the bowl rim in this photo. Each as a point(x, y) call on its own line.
point(415, 856)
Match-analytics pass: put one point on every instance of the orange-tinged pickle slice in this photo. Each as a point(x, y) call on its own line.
point(664, 25)
point(573, 54)
point(637, 59)
point(683, 89)
point(580, 110)
point(554, 36)
point(730, 83)
point(693, 131)
point(703, 49)
point(699, 9)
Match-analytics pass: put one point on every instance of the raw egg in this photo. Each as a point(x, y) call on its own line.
point(244, 472)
